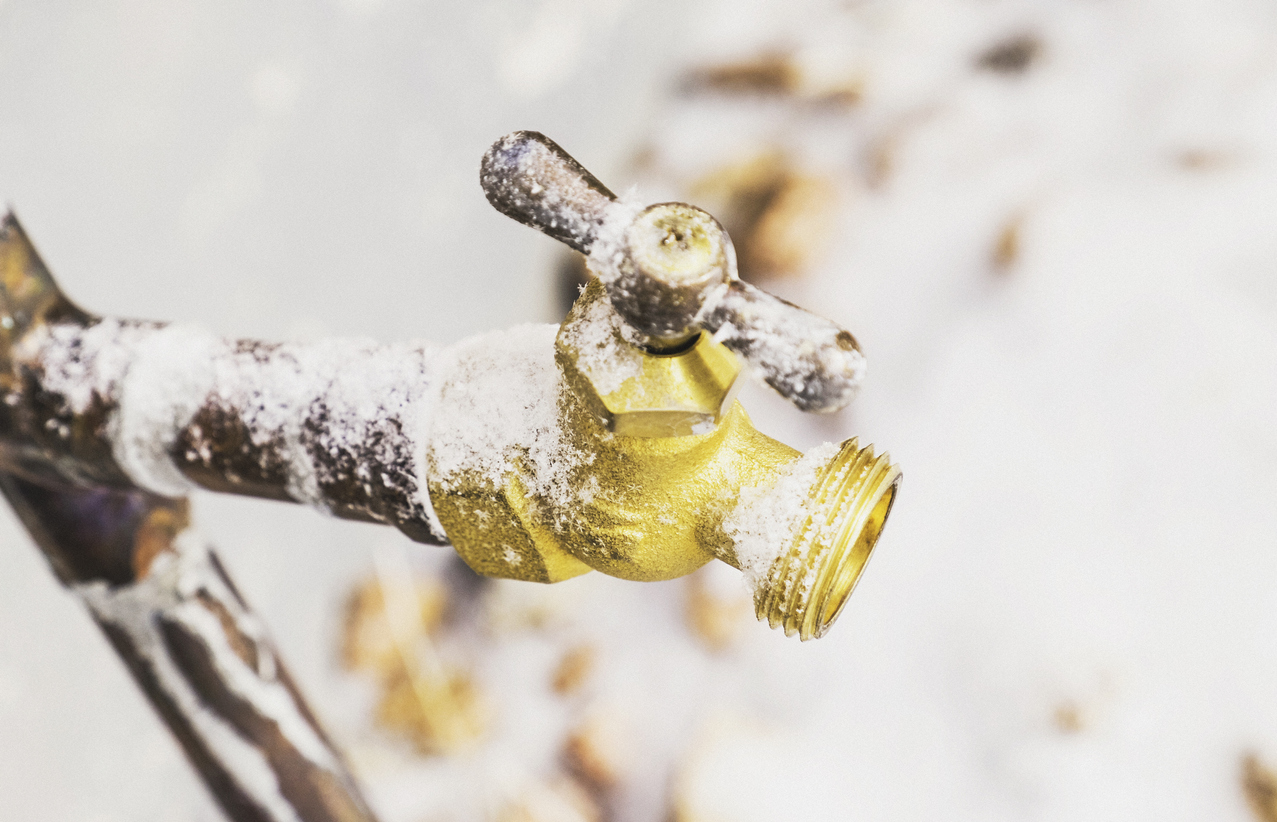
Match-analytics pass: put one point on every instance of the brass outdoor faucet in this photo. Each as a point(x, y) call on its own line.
point(671, 449)
point(623, 449)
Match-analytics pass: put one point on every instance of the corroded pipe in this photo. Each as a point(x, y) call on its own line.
point(194, 647)
point(103, 403)
point(159, 594)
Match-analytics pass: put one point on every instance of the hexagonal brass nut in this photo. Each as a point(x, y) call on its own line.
point(637, 393)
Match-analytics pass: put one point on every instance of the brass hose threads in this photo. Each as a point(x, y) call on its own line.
point(807, 586)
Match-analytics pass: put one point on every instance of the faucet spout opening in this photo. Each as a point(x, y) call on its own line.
point(805, 588)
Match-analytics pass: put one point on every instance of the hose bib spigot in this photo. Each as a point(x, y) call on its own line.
point(677, 475)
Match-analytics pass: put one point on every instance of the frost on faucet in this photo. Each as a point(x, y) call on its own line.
point(613, 442)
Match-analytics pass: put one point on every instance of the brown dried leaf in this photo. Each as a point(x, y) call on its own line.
point(880, 161)
point(438, 714)
point(780, 219)
point(597, 752)
point(1259, 784)
point(1006, 249)
point(1068, 717)
point(1013, 55)
point(574, 669)
point(740, 191)
point(1204, 159)
point(369, 642)
point(778, 74)
point(795, 228)
point(768, 73)
point(559, 800)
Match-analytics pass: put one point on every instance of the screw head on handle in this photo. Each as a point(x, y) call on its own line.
point(672, 257)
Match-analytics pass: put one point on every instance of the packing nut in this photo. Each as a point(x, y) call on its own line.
point(634, 392)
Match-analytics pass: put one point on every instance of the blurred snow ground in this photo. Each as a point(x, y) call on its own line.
point(1071, 613)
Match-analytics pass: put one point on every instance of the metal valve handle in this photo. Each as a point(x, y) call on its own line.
point(670, 270)
point(529, 178)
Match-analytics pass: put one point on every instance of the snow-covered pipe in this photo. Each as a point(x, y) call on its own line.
point(159, 594)
point(194, 647)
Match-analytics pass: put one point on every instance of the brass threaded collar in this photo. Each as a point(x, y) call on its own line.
point(808, 585)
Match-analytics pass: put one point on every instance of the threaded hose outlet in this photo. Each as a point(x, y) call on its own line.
point(807, 586)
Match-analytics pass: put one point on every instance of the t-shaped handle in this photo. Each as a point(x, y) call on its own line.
point(670, 270)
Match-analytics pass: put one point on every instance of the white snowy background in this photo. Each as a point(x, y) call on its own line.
point(1088, 522)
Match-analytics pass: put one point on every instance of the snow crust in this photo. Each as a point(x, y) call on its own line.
point(499, 405)
point(83, 363)
point(606, 347)
point(766, 518)
point(171, 373)
point(369, 395)
point(169, 591)
point(802, 355)
point(609, 255)
point(358, 386)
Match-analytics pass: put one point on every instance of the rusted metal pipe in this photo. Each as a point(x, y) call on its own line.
point(160, 595)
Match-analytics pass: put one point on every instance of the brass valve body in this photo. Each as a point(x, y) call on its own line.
point(670, 455)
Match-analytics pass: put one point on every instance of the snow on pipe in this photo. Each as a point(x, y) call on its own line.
point(159, 594)
point(539, 452)
point(100, 402)
point(194, 647)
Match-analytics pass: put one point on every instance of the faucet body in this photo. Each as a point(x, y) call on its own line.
point(612, 443)
point(654, 472)
point(669, 450)
point(650, 508)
